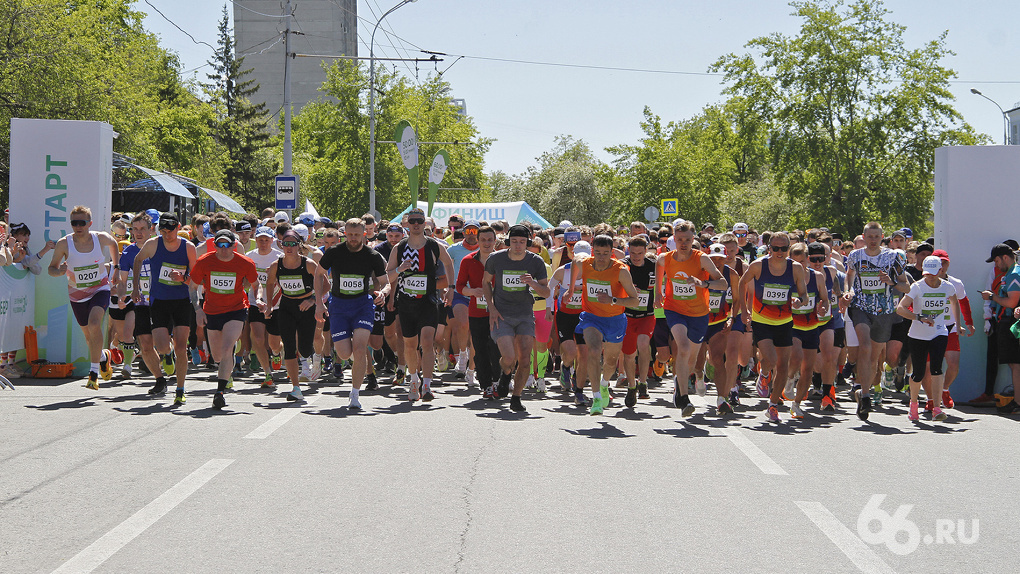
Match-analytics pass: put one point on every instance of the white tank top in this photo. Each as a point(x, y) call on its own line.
point(86, 272)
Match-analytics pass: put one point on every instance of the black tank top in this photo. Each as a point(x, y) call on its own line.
point(295, 283)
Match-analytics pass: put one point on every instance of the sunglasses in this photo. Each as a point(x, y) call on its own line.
point(470, 231)
point(780, 248)
point(79, 223)
point(168, 224)
point(320, 235)
point(416, 220)
point(740, 234)
point(120, 235)
point(224, 244)
point(817, 258)
point(290, 243)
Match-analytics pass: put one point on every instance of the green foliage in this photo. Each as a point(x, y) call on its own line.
point(331, 138)
point(759, 203)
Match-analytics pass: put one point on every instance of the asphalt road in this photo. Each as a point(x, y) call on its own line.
point(115, 481)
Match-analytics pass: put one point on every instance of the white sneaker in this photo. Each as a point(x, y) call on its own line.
point(541, 385)
point(442, 362)
point(461, 362)
point(306, 372)
point(796, 412)
point(791, 386)
point(699, 385)
point(413, 395)
point(355, 404)
point(11, 372)
point(531, 382)
point(470, 379)
point(316, 367)
point(126, 371)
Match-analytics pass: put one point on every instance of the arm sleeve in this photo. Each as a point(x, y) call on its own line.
point(553, 294)
point(965, 307)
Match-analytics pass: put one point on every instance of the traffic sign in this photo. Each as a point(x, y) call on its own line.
point(286, 192)
point(669, 207)
point(651, 213)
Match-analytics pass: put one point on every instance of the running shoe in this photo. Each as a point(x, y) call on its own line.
point(158, 389)
point(876, 394)
point(268, 383)
point(642, 391)
point(487, 392)
point(912, 415)
point(338, 371)
point(315, 368)
point(540, 384)
point(218, 402)
point(701, 387)
point(606, 397)
point(1009, 408)
point(864, 407)
point(855, 393)
point(327, 364)
point(230, 383)
point(93, 382)
point(413, 394)
point(763, 385)
point(427, 395)
point(169, 368)
point(734, 398)
point(796, 412)
point(938, 415)
point(676, 395)
point(398, 377)
point(773, 414)
point(565, 383)
point(126, 371)
point(295, 394)
point(503, 389)
point(929, 406)
point(631, 398)
point(724, 408)
point(371, 383)
point(596, 407)
point(530, 383)
point(789, 389)
point(659, 368)
point(106, 365)
point(179, 398)
point(579, 398)
point(827, 405)
point(516, 405)
point(238, 371)
point(276, 361)
point(11, 372)
point(469, 379)
point(442, 363)
point(621, 383)
point(196, 357)
point(687, 411)
point(355, 404)
point(947, 400)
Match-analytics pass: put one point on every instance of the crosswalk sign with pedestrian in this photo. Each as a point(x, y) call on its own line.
point(669, 208)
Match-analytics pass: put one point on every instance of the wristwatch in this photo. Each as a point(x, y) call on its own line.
point(614, 300)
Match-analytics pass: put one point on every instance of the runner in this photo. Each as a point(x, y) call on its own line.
point(300, 311)
point(934, 305)
point(469, 284)
point(458, 331)
point(683, 277)
point(359, 283)
point(873, 272)
point(637, 343)
point(723, 342)
point(87, 254)
point(808, 323)
point(512, 280)
point(391, 322)
point(170, 259)
point(569, 304)
point(225, 276)
point(772, 280)
point(265, 332)
point(138, 322)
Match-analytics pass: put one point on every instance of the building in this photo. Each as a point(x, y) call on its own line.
point(1013, 116)
point(327, 27)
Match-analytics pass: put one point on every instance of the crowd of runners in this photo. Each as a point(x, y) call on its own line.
point(784, 318)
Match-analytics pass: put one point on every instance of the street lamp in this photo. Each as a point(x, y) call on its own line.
point(1005, 118)
point(371, 108)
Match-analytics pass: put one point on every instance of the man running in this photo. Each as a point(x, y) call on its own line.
point(139, 321)
point(637, 343)
point(469, 284)
point(88, 284)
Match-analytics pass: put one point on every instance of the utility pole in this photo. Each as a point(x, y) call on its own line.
point(287, 150)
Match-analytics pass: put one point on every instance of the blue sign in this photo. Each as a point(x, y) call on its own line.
point(286, 192)
point(669, 208)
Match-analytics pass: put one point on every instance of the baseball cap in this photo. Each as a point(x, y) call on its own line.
point(153, 215)
point(742, 227)
point(1012, 244)
point(816, 248)
point(582, 247)
point(907, 232)
point(264, 231)
point(306, 218)
point(471, 223)
point(716, 250)
point(242, 225)
point(281, 217)
point(168, 220)
point(900, 233)
point(941, 254)
point(707, 225)
point(225, 234)
point(932, 265)
point(302, 230)
point(325, 221)
point(998, 251)
point(565, 224)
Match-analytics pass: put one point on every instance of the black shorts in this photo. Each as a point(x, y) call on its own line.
point(838, 337)
point(415, 315)
point(143, 322)
point(899, 331)
point(661, 335)
point(780, 335)
point(118, 314)
point(441, 311)
point(170, 313)
point(566, 323)
point(1009, 345)
point(379, 314)
point(216, 321)
point(256, 316)
point(809, 339)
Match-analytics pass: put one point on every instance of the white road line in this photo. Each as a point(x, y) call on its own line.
point(101, 550)
point(757, 456)
point(853, 547)
point(267, 428)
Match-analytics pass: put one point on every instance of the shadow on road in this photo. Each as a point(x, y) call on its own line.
point(605, 431)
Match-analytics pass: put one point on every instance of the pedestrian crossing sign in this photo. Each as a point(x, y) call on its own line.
point(669, 208)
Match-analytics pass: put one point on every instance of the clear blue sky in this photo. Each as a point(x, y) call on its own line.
point(524, 106)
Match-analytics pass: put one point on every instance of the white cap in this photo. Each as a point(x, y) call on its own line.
point(281, 217)
point(302, 230)
point(717, 249)
point(565, 224)
point(582, 247)
point(932, 265)
point(740, 227)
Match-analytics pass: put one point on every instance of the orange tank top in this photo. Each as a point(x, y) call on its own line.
point(607, 281)
point(681, 295)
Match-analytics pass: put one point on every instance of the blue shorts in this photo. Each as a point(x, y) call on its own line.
point(346, 315)
point(738, 325)
point(809, 339)
point(459, 299)
point(613, 328)
point(697, 327)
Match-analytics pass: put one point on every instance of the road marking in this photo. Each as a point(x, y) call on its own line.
point(757, 456)
point(853, 547)
point(101, 550)
point(267, 428)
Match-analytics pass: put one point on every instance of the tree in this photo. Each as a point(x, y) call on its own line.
point(852, 115)
point(240, 126)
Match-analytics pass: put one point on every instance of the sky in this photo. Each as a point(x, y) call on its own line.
point(525, 106)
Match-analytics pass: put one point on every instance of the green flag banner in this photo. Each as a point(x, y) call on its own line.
point(407, 143)
point(440, 164)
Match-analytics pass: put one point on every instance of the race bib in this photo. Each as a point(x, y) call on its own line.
point(222, 282)
point(350, 284)
point(643, 297)
point(512, 281)
point(715, 300)
point(87, 276)
point(166, 270)
point(933, 305)
point(416, 285)
point(263, 275)
point(684, 290)
point(775, 294)
point(143, 285)
point(832, 305)
point(292, 285)
point(575, 300)
point(593, 287)
point(481, 303)
point(805, 309)
point(729, 295)
point(871, 284)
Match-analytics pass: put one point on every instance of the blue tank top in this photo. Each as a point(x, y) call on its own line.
point(160, 266)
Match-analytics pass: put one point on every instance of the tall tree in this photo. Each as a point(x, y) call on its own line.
point(853, 115)
point(240, 126)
